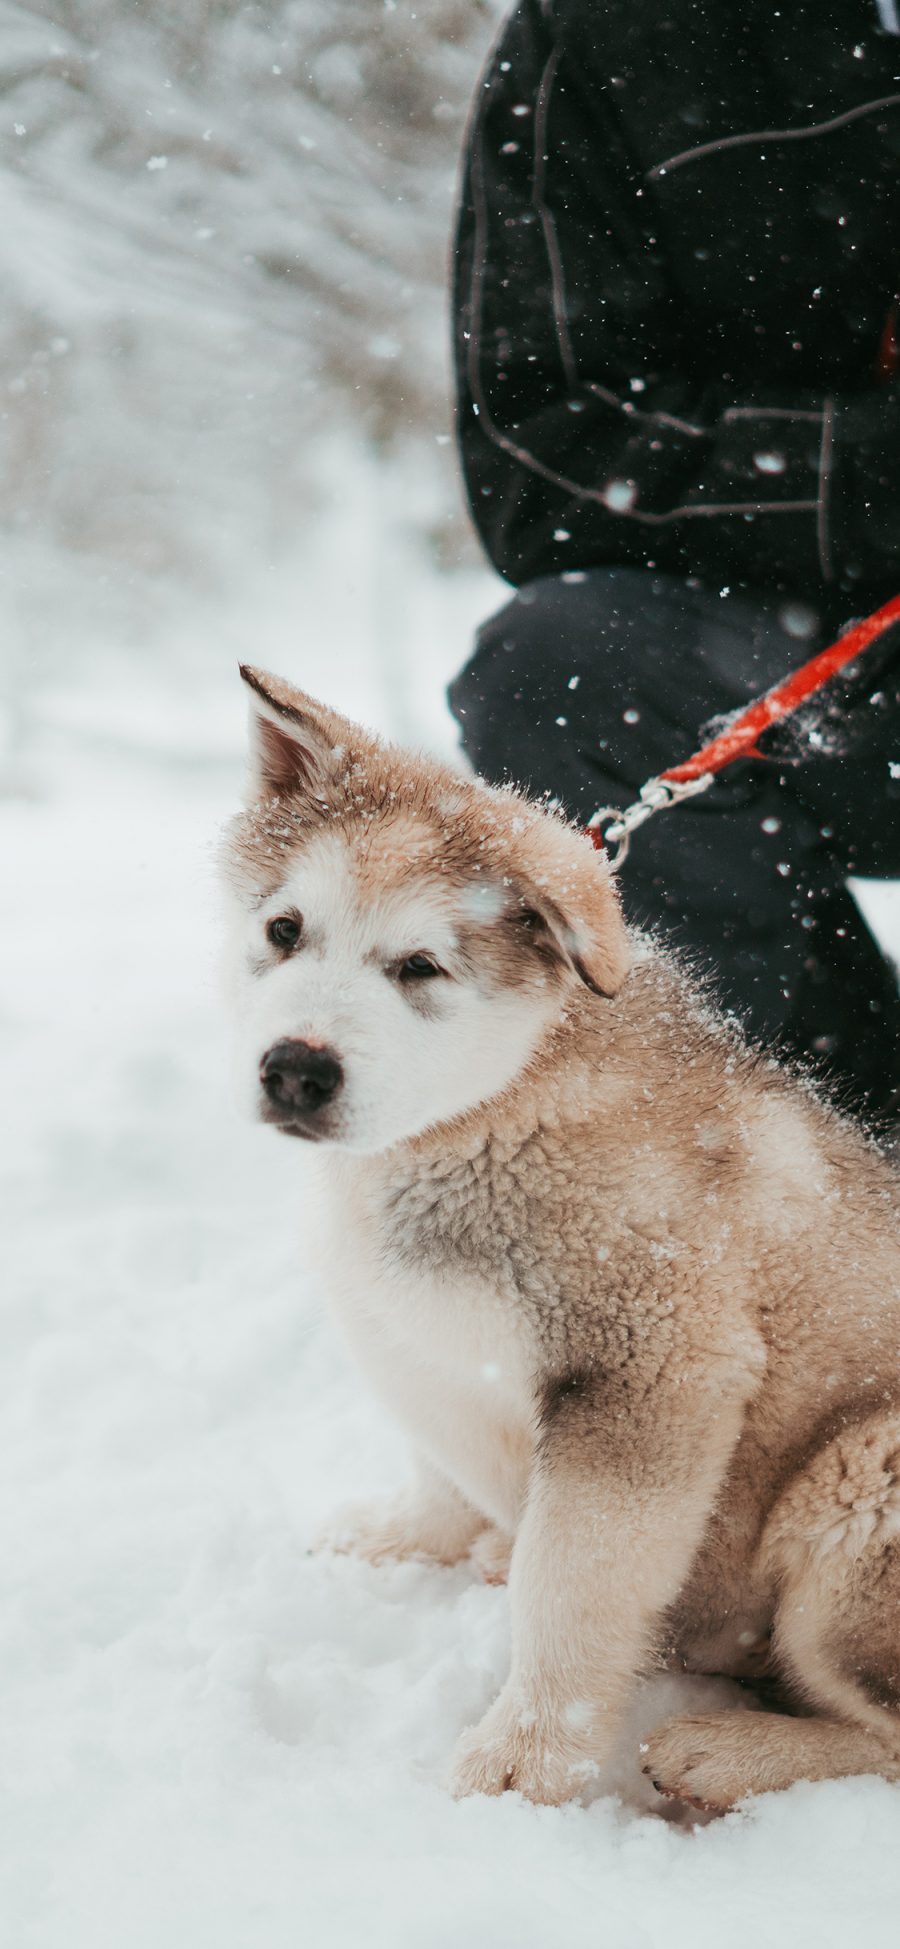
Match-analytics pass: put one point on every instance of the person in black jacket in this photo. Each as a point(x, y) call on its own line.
point(678, 371)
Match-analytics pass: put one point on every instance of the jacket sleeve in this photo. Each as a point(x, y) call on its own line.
point(582, 438)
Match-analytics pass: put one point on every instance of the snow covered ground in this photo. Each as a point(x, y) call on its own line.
point(210, 1736)
point(223, 242)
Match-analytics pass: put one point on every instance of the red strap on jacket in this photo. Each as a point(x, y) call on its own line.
point(887, 363)
point(739, 739)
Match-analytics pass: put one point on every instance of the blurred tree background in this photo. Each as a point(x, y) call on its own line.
point(224, 231)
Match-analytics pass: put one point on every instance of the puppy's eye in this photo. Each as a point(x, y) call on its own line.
point(284, 931)
point(418, 967)
point(529, 918)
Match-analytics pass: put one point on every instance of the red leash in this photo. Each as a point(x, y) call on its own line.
point(739, 739)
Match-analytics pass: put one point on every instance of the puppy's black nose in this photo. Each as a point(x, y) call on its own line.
point(298, 1078)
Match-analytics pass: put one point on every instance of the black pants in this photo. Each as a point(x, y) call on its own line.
point(585, 685)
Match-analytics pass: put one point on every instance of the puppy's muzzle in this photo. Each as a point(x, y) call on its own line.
point(299, 1081)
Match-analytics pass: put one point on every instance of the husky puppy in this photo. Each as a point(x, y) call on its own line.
point(633, 1290)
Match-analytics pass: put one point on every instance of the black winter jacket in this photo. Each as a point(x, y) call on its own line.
point(676, 279)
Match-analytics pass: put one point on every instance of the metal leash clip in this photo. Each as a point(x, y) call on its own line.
point(616, 823)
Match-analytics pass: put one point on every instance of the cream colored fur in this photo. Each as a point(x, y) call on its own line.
point(633, 1291)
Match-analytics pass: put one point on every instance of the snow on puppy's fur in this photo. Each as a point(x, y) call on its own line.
point(632, 1290)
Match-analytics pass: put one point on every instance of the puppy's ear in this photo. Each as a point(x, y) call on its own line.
point(570, 888)
point(597, 953)
point(296, 744)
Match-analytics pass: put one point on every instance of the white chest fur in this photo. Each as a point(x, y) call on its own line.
point(444, 1352)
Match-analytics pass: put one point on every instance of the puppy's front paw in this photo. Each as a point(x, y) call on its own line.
point(491, 1553)
point(515, 1749)
point(698, 1759)
point(384, 1532)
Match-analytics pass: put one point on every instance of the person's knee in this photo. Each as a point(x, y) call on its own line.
point(507, 697)
point(523, 647)
point(578, 649)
